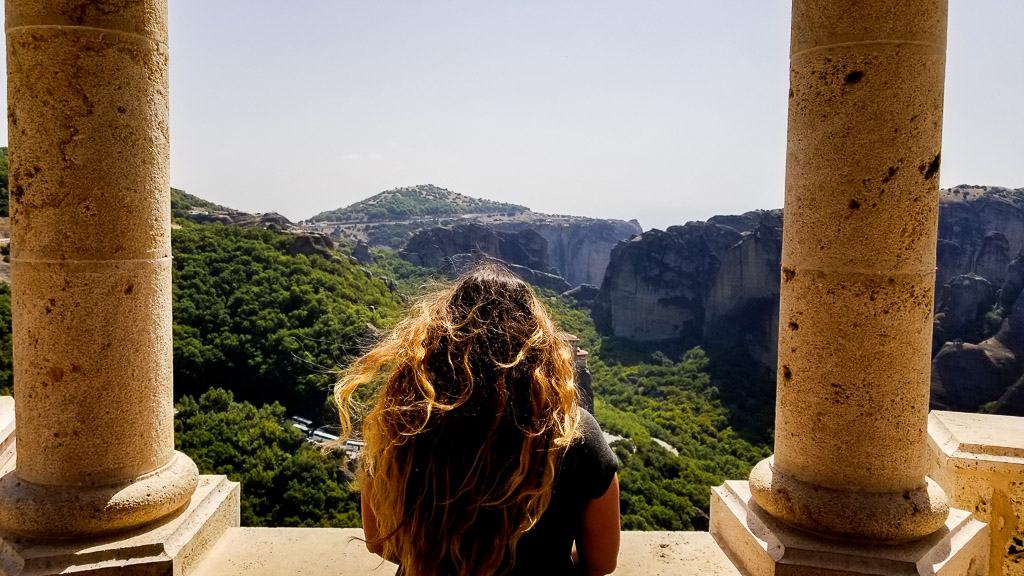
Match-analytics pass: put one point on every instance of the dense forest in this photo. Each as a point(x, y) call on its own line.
point(260, 331)
point(265, 324)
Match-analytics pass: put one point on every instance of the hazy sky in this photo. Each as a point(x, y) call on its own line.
point(664, 111)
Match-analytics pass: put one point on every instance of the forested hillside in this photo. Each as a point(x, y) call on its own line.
point(265, 324)
point(260, 330)
point(413, 202)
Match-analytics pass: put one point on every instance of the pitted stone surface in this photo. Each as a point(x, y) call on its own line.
point(49, 511)
point(858, 269)
point(826, 23)
point(854, 365)
point(89, 145)
point(93, 370)
point(90, 268)
point(979, 460)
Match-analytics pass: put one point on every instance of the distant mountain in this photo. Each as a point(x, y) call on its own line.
point(432, 225)
point(183, 204)
point(414, 202)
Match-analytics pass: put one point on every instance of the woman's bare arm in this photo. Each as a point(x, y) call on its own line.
point(597, 545)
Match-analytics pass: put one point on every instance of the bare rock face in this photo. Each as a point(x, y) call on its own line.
point(713, 283)
point(678, 285)
point(1013, 283)
point(312, 245)
point(743, 301)
point(585, 294)
point(961, 312)
point(434, 247)
point(966, 377)
point(993, 258)
point(656, 286)
point(361, 253)
point(579, 248)
point(1011, 402)
point(981, 238)
point(981, 229)
point(749, 221)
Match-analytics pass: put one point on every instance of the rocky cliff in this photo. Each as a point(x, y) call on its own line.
point(981, 230)
point(435, 247)
point(579, 249)
point(715, 283)
point(656, 286)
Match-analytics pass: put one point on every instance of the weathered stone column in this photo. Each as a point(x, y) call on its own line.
point(865, 131)
point(858, 269)
point(91, 270)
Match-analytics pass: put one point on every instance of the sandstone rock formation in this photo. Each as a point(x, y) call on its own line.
point(675, 285)
point(656, 285)
point(578, 248)
point(433, 248)
point(966, 377)
point(981, 229)
point(743, 301)
point(585, 294)
point(961, 311)
point(312, 245)
point(361, 253)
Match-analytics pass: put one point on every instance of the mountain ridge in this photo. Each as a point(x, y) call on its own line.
point(411, 202)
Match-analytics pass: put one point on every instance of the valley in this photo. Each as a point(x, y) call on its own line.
point(680, 324)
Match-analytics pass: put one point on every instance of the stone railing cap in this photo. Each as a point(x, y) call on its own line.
point(980, 436)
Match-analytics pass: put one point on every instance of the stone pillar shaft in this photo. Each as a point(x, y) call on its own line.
point(865, 129)
point(91, 269)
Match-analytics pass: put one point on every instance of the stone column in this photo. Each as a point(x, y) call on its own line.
point(858, 272)
point(91, 270)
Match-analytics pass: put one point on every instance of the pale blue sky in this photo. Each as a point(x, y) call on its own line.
point(664, 111)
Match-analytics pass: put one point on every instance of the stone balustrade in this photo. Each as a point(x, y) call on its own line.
point(857, 486)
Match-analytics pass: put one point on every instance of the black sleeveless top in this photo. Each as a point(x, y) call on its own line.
point(585, 474)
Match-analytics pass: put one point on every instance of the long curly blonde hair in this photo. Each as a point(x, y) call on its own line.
point(474, 405)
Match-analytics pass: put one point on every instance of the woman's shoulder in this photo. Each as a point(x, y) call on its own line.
point(590, 459)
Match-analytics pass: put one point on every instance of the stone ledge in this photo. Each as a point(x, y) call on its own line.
point(6, 433)
point(338, 552)
point(978, 459)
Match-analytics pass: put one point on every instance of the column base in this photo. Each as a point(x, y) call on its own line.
point(889, 517)
point(41, 511)
point(171, 547)
point(760, 545)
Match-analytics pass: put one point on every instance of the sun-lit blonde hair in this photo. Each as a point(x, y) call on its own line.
point(474, 404)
